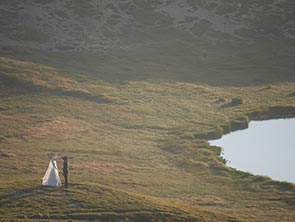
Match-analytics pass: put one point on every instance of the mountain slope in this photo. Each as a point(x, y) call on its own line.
point(95, 202)
point(95, 26)
point(216, 42)
point(147, 140)
point(131, 91)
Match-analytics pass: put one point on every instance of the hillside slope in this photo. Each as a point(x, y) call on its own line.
point(216, 42)
point(100, 25)
point(131, 90)
point(84, 202)
point(144, 141)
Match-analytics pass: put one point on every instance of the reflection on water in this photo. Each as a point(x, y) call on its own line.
point(265, 148)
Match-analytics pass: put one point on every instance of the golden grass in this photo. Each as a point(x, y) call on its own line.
point(144, 140)
point(60, 128)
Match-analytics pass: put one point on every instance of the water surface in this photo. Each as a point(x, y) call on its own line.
point(265, 148)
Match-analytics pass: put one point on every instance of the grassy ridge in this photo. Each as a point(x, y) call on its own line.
point(213, 42)
point(88, 201)
point(175, 56)
point(143, 137)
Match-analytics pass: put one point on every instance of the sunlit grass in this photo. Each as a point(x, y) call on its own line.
point(147, 138)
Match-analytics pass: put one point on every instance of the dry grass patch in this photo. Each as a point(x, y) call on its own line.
point(144, 141)
point(102, 167)
point(59, 128)
point(38, 75)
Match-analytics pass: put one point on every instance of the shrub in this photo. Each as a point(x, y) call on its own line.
point(214, 133)
point(236, 101)
point(240, 123)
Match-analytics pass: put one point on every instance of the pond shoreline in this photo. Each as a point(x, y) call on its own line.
point(242, 122)
point(270, 113)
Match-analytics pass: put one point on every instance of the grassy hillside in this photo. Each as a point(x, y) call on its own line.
point(217, 42)
point(86, 201)
point(131, 91)
point(138, 149)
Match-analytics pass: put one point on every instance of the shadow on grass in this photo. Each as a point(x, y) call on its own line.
point(120, 65)
point(232, 103)
point(26, 192)
point(21, 87)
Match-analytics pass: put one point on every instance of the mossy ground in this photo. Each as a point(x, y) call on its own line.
point(134, 152)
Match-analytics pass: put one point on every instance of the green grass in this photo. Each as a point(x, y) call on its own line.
point(135, 116)
point(86, 201)
point(135, 154)
point(171, 54)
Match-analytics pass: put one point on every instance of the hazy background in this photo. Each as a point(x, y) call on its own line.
point(216, 41)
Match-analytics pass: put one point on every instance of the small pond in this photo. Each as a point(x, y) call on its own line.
point(265, 148)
